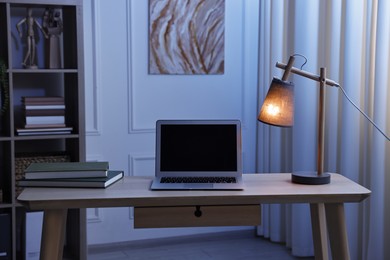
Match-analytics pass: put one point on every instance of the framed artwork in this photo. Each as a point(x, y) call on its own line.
point(186, 37)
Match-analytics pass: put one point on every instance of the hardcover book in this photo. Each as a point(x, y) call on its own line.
point(65, 132)
point(45, 112)
point(100, 182)
point(58, 170)
point(30, 120)
point(43, 129)
point(35, 107)
point(43, 99)
point(44, 126)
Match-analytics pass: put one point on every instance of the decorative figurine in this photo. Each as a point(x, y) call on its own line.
point(52, 24)
point(30, 21)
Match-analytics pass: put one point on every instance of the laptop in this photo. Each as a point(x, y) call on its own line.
point(198, 155)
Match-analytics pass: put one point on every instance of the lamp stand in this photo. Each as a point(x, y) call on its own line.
point(319, 177)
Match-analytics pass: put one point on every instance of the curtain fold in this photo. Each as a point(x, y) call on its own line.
point(352, 40)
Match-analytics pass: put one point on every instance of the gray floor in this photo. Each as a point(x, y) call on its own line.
point(224, 246)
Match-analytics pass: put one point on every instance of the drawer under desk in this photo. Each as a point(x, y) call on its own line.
point(197, 216)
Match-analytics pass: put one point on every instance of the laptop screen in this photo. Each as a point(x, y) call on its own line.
point(198, 146)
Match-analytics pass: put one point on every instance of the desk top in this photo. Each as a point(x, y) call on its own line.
point(134, 191)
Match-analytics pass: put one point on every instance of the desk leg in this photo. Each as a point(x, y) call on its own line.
point(53, 234)
point(337, 231)
point(320, 238)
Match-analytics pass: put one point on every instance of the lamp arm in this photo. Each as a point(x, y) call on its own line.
point(329, 82)
point(307, 74)
point(288, 68)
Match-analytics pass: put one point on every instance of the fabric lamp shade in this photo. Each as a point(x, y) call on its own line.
point(278, 106)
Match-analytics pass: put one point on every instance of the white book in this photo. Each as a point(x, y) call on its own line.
point(36, 107)
point(30, 120)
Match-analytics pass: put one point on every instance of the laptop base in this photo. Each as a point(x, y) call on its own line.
point(157, 185)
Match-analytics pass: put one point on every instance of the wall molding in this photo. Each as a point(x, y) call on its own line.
point(95, 128)
point(94, 216)
point(136, 159)
point(132, 128)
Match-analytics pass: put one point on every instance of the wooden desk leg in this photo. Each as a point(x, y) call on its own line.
point(53, 234)
point(337, 231)
point(320, 238)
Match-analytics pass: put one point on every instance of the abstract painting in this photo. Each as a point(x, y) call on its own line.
point(186, 36)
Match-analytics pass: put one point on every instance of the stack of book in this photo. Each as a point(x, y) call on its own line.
point(43, 115)
point(70, 174)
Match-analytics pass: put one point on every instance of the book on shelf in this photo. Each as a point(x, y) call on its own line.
point(54, 170)
point(44, 131)
point(39, 106)
point(44, 126)
point(43, 99)
point(44, 112)
point(99, 182)
point(38, 129)
point(39, 120)
point(42, 103)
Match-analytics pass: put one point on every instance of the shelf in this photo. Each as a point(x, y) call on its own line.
point(33, 71)
point(6, 205)
point(59, 3)
point(44, 137)
point(59, 72)
point(38, 137)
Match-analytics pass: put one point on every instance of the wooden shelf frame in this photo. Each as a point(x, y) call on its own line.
point(70, 81)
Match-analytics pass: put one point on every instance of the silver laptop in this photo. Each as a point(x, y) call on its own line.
point(198, 154)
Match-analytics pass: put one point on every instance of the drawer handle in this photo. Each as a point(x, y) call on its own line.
point(198, 212)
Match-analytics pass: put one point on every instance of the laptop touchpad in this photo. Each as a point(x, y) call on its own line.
point(198, 185)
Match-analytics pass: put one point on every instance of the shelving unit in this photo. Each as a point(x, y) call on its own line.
point(67, 81)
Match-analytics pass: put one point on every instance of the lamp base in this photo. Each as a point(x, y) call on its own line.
point(311, 178)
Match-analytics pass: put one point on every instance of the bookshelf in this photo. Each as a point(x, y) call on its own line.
point(57, 70)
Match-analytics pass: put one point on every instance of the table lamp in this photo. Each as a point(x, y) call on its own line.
point(278, 110)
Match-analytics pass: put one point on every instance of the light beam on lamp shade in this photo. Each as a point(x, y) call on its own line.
point(278, 106)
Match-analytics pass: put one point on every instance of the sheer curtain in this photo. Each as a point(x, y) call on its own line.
point(352, 40)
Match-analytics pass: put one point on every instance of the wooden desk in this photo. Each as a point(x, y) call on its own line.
point(326, 205)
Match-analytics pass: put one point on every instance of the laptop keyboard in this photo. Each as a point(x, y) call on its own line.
point(198, 180)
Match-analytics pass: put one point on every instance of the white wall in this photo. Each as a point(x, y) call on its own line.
point(123, 101)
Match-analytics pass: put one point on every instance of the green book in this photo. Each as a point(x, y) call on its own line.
point(100, 182)
point(57, 170)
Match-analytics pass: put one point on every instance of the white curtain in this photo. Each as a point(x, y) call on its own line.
point(352, 40)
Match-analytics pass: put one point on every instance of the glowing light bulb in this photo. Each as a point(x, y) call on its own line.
point(273, 110)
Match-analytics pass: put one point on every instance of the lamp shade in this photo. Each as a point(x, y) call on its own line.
point(278, 106)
